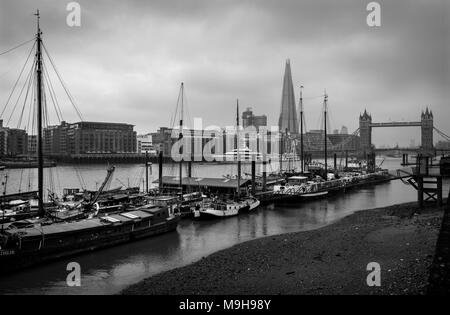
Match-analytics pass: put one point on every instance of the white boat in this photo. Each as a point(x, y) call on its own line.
point(222, 209)
point(229, 208)
point(300, 186)
point(314, 194)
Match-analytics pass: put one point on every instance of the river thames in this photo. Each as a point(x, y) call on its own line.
point(110, 270)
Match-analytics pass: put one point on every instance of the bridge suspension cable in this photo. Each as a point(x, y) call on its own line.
point(442, 134)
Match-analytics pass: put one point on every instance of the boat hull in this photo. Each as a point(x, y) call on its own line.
point(213, 213)
point(210, 213)
point(15, 260)
point(314, 195)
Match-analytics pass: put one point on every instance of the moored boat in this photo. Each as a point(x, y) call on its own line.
point(82, 224)
point(23, 244)
point(221, 209)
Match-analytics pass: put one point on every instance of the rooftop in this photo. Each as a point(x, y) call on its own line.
point(203, 181)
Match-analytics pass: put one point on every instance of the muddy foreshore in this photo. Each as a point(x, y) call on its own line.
point(331, 260)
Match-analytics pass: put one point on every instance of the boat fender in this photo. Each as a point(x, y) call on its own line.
point(97, 208)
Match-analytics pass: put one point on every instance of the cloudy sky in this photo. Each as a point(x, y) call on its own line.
point(126, 61)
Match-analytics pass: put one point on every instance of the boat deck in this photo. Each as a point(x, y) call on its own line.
point(87, 224)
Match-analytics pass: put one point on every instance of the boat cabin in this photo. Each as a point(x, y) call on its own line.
point(297, 180)
point(225, 187)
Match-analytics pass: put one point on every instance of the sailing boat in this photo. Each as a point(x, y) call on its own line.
point(301, 186)
point(25, 243)
point(182, 202)
point(228, 208)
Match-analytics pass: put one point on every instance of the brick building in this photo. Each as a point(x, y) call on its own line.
point(89, 137)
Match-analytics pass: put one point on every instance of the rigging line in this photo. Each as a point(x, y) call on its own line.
point(17, 81)
point(34, 116)
point(20, 94)
point(51, 94)
point(69, 95)
point(174, 116)
point(20, 181)
point(53, 91)
point(330, 116)
point(20, 45)
point(83, 183)
point(30, 85)
point(135, 175)
point(80, 178)
point(141, 176)
point(59, 182)
point(320, 119)
point(313, 97)
point(29, 179)
point(45, 109)
point(51, 180)
point(137, 179)
point(188, 118)
point(32, 102)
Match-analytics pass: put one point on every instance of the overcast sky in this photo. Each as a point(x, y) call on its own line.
point(126, 61)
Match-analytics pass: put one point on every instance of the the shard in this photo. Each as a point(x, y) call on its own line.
point(288, 115)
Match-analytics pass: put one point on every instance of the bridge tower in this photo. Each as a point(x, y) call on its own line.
point(365, 132)
point(427, 130)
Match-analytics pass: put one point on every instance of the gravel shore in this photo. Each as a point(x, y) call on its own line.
point(331, 260)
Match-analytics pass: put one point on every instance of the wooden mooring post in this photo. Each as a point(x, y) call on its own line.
point(253, 177)
point(264, 175)
point(160, 173)
point(346, 159)
point(335, 161)
point(428, 181)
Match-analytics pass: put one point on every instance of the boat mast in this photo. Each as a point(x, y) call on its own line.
point(301, 130)
point(325, 131)
point(238, 153)
point(5, 183)
point(180, 138)
point(287, 149)
point(39, 120)
point(146, 171)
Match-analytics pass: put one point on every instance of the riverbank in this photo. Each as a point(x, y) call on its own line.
point(331, 260)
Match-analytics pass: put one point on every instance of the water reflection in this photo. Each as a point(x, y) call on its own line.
point(111, 270)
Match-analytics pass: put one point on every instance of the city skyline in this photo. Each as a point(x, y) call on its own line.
point(223, 51)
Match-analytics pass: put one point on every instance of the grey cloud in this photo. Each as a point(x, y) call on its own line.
point(127, 60)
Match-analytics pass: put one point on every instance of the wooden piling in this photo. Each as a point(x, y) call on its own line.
point(253, 177)
point(160, 175)
point(335, 161)
point(264, 176)
point(420, 190)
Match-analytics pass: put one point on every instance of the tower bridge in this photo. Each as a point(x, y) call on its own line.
point(426, 124)
point(397, 124)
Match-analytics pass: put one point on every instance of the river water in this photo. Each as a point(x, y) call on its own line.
point(111, 270)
